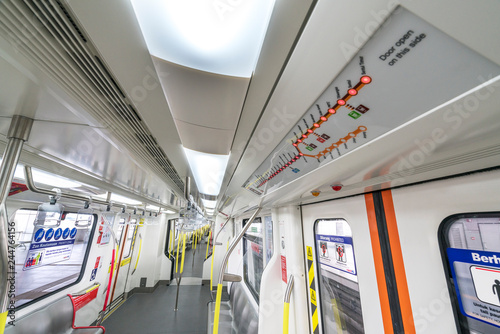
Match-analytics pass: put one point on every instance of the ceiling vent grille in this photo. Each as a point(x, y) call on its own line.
point(45, 33)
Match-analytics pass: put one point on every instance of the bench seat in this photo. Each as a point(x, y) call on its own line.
point(55, 318)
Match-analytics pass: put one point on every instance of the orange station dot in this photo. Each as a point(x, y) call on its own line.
point(366, 79)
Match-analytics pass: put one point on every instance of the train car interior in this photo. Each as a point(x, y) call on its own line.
point(249, 167)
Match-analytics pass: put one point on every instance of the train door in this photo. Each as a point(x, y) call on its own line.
point(449, 233)
point(126, 235)
point(343, 284)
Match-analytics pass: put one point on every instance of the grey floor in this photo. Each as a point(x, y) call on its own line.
point(153, 313)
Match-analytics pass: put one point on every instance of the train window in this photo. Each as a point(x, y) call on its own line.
point(49, 258)
point(338, 280)
point(470, 246)
point(268, 226)
point(253, 257)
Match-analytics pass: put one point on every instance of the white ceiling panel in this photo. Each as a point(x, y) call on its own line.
point(202, 98)
point(204, 139)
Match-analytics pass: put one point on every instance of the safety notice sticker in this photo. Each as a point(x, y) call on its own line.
point(50, 246)
point(477, 282)
point(336, 252)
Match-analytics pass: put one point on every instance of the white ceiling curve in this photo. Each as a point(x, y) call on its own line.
point(205, 106)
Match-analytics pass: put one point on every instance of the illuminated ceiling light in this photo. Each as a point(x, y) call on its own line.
point(223, 37)
point(168, 212)
point(208, 170)
point(152, 207)
point(45, 178)
point(119, 199)
point(208, 204)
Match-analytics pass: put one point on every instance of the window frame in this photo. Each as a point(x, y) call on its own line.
point(83, 265)
point(461, 322)
point(318, 269)
point(255, 294)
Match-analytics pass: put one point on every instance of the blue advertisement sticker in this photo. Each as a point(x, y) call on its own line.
point(66, 233)
point(49, 234)
point(39, 235)
point(73, 233)
point(477, 283)
point(58, 234)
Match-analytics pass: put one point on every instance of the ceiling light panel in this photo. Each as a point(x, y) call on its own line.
point(223, 37)
point(208, 170)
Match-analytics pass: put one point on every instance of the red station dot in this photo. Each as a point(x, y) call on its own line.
point(316, 125)
point(294, 144)
point(310, 131)
point(301, 154)
point(332, 111)
point(341, 102)
point(352, 91)
point(323, 118)
point(299, 140)
point(366, 79)
point(304, 136)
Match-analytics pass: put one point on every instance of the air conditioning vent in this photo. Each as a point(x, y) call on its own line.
point(45, 32)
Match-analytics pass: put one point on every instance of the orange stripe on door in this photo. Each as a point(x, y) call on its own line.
point(379, 265)
point(397, 259)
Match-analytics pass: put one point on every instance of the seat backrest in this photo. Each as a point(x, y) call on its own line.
point(245, 316)
point(55, 318)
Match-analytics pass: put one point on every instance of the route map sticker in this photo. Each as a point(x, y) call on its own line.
point(406, 69)
point(48, 247)
point(477, 282)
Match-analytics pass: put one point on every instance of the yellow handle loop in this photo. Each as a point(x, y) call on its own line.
point(139, 254)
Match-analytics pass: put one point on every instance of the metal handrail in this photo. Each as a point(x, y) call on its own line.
point(289, 289)
point(28, 175)
point(234, 243)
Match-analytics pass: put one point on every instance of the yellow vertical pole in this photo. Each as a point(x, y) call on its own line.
point(177, 257)
point(286, 316)
point(212, 267)
point(195, 238)
point(208, 244)
point(183, 253)
point(217, 309)
point(3, 321)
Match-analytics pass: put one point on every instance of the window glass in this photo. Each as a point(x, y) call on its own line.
point(253, 257)
point(471, 249)
point(268, 222)
point(49, 257)
point(338, 280)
